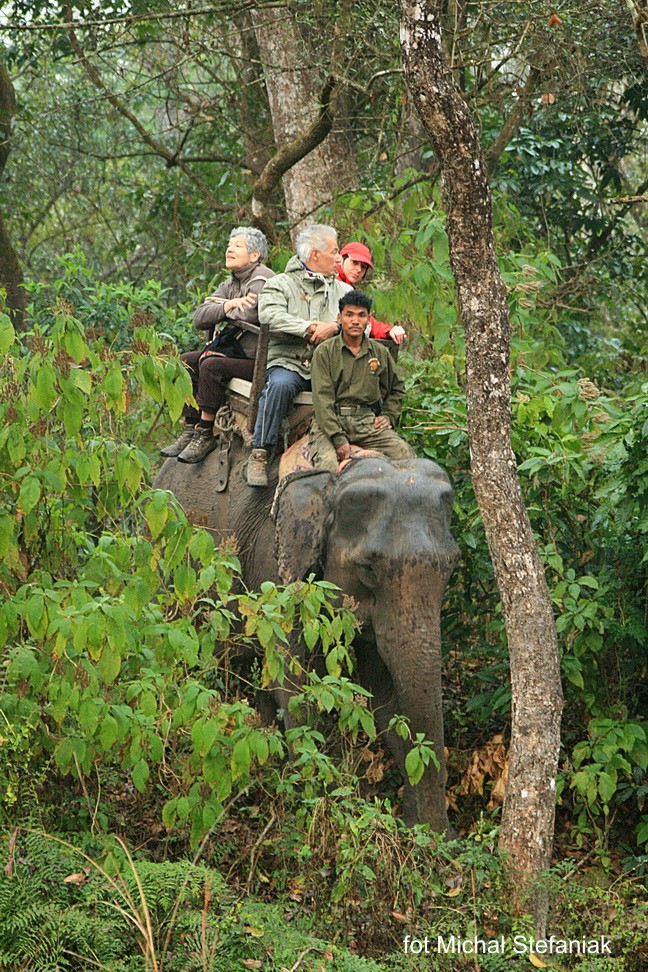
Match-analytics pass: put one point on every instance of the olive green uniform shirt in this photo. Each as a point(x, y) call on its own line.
point(341, 378)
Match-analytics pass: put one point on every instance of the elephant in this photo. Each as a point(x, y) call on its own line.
point(380, 531)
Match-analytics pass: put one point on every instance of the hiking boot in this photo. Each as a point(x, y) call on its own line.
point(180, 444)
point(202, 443)
point(257, 468)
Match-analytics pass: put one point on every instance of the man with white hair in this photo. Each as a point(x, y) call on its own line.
point(301, 307)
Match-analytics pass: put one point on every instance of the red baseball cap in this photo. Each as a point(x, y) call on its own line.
point(358, 251)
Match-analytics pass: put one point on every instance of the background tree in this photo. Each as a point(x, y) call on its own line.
point(10, 272)
point(529, 807)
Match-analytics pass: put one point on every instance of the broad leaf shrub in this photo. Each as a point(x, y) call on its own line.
point(108, 308)
point(582, 460)
point(116, 610)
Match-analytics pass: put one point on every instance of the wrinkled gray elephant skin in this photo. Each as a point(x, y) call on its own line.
point(381, 532)
point(241, 511)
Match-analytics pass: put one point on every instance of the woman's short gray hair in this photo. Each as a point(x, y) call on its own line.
point(254, 239)
point(312, 238)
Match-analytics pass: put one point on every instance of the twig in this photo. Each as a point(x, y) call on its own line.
point(311, 948)
point(255, 848)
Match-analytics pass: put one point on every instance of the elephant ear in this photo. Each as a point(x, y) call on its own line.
point(300, 513)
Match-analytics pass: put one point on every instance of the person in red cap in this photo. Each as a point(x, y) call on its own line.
point(356, 261)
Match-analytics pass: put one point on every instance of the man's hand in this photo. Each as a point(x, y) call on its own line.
point(240, 303)
point(382, 422)
point(343, 452)
point(322, 330)
point(397, 334)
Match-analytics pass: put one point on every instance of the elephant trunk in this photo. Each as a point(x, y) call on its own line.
point(406, 623)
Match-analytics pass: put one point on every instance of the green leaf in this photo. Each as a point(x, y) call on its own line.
point(606, 786)
point(64, 756)
point(414, 766)
point(259, 747)
point(326, 700)
point(169, 814)
point(7, 334)
point(72, 416)
point(44, 392)
point(88, 716)
point(140, 774)
point(109, 664)
point(157, 513)
point(241, 759)
point(29, 495)
point(113, 385)
point(35, 615)
point(108, 732)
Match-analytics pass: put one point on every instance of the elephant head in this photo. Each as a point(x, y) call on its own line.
point(381, 531)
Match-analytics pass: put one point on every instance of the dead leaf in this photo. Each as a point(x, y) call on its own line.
point(80, 878)
point(454, 881)
point(375, 771)
point(489, 761)
point(534, 960)
point(399, 917)
point(498, 793)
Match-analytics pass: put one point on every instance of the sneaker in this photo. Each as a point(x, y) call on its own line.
point(180, 444)
point(257, 468)
point(202, 443)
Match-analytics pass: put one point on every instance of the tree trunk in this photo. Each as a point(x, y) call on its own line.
point(294, 92)
point(11, 278)
point(528, 814)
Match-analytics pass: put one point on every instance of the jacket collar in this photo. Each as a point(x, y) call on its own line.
point(247, 272)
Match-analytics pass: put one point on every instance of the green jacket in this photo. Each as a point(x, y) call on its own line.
point(289, 303)
point(341, 378)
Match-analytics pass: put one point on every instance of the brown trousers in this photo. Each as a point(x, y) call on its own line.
point(209, 379)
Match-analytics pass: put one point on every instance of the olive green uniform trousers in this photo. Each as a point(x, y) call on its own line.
point(360, 431)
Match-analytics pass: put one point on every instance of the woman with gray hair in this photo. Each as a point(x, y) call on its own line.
point(230, 350)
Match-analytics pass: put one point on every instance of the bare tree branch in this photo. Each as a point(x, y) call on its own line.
point(291, 153)
point(227, 7)
point(512, 123)
point(170, 157)
point(639, 13)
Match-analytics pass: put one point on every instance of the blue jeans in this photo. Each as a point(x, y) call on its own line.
point(281, 387)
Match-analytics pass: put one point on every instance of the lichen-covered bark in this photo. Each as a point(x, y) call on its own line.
point(294, 90)
point(528, 815)
point(11, 277)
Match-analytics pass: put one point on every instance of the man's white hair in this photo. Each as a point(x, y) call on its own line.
point(254, 239)
point(311, 238)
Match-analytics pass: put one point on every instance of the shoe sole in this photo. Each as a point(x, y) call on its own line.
point(191, 462)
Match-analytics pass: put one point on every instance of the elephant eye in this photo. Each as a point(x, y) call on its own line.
point(367, 573)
